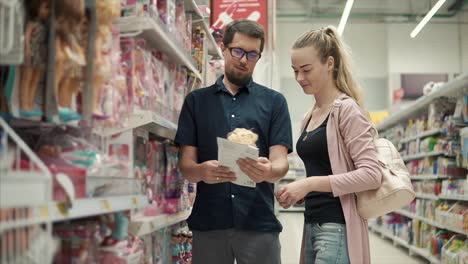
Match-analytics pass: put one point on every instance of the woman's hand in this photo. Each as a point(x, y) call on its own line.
point(292, 193)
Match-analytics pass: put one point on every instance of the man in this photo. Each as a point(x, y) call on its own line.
point(230, 221)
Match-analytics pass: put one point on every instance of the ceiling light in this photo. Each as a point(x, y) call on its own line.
point(344, 17)
point(427, 18)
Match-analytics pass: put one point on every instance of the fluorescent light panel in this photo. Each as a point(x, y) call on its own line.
point(344, 17)
point(426, 19)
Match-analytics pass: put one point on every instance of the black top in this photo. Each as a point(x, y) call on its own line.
point(312, 147)
point(213, 112)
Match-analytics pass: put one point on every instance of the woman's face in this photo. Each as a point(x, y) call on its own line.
point(310, 72)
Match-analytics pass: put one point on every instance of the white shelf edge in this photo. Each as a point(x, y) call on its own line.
point(55, 211)
point(419, 251)
point(442, 197)
point(454, 197)
point(449, 88)
point(428, 177)
point(427, 196)
point(153, 122)
point(423, 155)
point(422, 135)
point(429, 221)
point(158, 38)
point(148, 225)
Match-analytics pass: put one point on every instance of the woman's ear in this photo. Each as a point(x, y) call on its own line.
point(330, 63)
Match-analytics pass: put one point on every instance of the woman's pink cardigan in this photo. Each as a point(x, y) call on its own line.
point(349, 130)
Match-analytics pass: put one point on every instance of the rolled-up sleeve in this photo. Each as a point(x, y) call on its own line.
point(356, 131)
point(280, 128)
point(187, 127)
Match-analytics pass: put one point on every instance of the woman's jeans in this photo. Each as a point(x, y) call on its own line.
point(325, 243)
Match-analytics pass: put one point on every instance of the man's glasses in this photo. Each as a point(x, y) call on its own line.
point(239, 53)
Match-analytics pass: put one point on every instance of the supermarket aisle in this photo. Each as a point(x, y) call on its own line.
point(382, 251)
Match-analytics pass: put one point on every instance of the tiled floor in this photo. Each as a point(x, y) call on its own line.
point(382, 251)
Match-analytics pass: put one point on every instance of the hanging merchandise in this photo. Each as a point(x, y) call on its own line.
point(12, 38)
point(87, 160)
point(431, 136)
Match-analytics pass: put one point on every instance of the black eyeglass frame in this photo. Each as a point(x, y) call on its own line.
point(246, 53)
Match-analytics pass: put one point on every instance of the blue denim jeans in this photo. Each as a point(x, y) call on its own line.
point(325, 244)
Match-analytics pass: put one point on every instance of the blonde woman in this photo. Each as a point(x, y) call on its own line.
point(337, 125)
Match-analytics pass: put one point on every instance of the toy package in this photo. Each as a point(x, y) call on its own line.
point(128, 63)
point(155, 179)
point(161, 242)
point(159, 71)
point(179, 91)
point(174, 181)
point(113, 99)
point(169, 89)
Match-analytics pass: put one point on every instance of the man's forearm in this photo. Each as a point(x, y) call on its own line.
point(190, 170)
point(279, 168)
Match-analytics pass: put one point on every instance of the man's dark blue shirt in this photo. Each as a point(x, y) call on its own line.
point(213, 112)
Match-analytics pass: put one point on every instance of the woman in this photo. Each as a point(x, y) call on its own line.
point(334, 131)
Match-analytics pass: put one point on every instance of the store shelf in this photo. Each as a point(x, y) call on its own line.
point(422, 155)
point(198, 19)
point(429, 133)
point(442, 197)
point(451, 88)
point(428, 177)
point(157, 37)
point(150, 121)
point(35, 181)
point(57, 211)
point(427, 196)
point(429, 221)
point(148, 225)
point(412, 249)
point(454, 197)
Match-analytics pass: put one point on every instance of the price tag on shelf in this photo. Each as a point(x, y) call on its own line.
point(44, 212)
point(135, 202)
point(106, 205)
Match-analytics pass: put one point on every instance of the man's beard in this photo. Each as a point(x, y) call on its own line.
point(238, 80)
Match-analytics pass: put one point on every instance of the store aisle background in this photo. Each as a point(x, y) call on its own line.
point(382, 251)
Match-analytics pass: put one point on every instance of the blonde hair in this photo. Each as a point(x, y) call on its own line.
point(327, 43)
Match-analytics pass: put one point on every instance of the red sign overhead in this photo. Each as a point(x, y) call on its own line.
point(225, 11)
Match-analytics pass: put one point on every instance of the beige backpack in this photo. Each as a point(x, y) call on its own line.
point(396, 190)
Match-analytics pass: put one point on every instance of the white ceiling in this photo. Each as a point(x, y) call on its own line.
point(369, 10)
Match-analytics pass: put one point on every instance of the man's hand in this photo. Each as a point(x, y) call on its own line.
point(213, 173)
point(258, 170)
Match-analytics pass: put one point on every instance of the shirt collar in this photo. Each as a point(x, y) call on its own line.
point(222, 88)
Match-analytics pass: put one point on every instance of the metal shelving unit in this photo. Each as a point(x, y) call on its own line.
point(60, 211)
point(147, 225)
point(198, 19)
point(158, 38)
point(152, 122)
point(411, 249)
point(423, 155)
point(452, 88)
point(432, 132)
point(430, 221)
point(455, 88)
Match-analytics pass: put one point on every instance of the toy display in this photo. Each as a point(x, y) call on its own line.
point(35, 57)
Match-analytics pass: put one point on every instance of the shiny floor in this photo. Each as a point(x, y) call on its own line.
point(382, 250)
